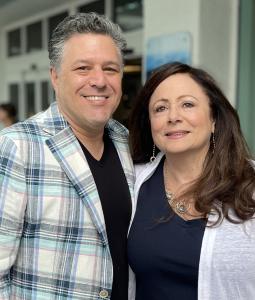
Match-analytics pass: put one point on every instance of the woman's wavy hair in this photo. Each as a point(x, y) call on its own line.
point(227, 182)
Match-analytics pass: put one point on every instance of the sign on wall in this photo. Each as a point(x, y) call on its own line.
point(167, 48)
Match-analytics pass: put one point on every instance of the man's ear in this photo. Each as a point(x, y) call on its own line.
point(54, 78)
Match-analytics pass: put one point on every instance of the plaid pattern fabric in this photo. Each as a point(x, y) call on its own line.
point(53, 242)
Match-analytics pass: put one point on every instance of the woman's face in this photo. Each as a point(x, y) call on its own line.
point(180, 116)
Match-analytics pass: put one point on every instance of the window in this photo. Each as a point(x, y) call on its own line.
point(131, 84)
point(34, 37)
point(45, 94)
point(14, 95)
point(14, 42)
point(54, 21)
point(95, 6)
point(128, 14)
point(30, 98)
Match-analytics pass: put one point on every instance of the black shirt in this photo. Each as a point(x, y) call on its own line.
point(163, 255)
point(116, 204)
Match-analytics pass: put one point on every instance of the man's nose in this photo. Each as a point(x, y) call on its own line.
point(97, 79)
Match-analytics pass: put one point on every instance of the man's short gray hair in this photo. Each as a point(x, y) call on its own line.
point(82, 23)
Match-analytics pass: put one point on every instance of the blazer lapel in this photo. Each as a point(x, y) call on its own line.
point(119, 136)
point(66, 149)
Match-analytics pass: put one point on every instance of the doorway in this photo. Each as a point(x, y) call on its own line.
point(246, 71)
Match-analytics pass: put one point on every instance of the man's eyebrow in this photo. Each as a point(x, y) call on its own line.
point(81, 61)
point(106, 63)
point(111, 62)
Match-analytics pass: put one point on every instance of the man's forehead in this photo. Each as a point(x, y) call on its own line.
point(89, 47)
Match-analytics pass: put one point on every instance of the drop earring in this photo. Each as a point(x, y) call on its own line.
point(153, 157)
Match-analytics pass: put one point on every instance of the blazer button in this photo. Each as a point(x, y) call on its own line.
point(103, 294)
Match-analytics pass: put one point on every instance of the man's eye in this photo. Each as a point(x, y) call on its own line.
point(83, 68)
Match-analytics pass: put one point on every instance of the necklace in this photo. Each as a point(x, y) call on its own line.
point(180, 206)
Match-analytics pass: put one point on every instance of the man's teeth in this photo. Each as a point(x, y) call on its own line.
point(95, 98)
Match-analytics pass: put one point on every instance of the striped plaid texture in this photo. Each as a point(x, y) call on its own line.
point(53, 242)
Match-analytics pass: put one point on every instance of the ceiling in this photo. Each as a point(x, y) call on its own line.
point(3, 2)
point(14, 10)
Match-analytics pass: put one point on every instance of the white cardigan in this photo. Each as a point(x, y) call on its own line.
point(227, 259)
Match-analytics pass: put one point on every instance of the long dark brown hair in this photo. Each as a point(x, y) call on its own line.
point(227, 181)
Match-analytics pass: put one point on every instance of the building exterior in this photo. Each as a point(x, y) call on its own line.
point(26, 26)
point(211, 34)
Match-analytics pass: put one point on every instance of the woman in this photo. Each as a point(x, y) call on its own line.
point(193, 234)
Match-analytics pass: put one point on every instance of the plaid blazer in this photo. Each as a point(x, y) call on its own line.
point(53, 242)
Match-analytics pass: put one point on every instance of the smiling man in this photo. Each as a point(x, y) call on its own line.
point(67, 176)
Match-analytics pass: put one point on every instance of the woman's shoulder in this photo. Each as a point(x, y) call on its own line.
point(139, 168)
point(148, 167)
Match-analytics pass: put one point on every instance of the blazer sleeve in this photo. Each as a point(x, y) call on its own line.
point(12, 208)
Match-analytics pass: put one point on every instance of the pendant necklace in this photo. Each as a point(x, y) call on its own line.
point(181, 207)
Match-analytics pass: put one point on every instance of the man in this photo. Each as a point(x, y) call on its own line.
point(7, 114)
point(67, 176)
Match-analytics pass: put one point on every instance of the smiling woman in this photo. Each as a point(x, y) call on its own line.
point(193, 172)
point(180, 118)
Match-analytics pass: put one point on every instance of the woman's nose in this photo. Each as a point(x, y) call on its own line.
point(174, 115)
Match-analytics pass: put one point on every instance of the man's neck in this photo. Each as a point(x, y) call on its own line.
point(93, 143)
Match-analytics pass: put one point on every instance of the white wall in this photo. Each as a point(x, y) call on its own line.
point(3, 92)
point(170, 16)
point(135, 41)
point(219, 42)
point(213, 25)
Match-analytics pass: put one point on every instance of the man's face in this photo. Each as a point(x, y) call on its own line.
point(88, 82)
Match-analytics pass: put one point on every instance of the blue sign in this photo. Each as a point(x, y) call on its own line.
point(167, 48)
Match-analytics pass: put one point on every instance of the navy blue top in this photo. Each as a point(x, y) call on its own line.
point(115, 199)
point(163, 255)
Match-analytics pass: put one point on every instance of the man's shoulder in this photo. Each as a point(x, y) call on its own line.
point(115, 128)
point(39, 125)
point(29, 127)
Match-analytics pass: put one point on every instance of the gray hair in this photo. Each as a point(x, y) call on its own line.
point(82, 23)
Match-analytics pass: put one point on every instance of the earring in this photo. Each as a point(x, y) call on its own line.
point(213, 143)
point(153, 157)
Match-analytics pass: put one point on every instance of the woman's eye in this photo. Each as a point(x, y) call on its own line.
point(160, 108)
point(188, 104)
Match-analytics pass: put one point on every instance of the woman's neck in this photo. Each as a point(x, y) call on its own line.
point(183, 169)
